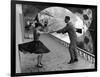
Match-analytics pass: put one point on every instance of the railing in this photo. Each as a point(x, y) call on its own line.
point(85, 54)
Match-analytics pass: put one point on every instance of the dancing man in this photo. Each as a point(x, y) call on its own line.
point(73, 38)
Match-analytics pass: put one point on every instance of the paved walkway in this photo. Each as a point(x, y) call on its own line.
point(55, 60)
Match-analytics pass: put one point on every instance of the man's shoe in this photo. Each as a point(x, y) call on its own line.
point(73, 61)
point(70, 62)
point(76, 60)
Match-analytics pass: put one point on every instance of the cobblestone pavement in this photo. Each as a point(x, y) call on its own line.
point(56, 60)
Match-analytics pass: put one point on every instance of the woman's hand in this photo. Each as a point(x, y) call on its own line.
point(40, 32)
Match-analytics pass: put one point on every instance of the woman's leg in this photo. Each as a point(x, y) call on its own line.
point(39, 60)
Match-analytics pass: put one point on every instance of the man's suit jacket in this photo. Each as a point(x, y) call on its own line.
point(71, 32)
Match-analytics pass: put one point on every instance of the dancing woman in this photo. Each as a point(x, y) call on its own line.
point(35, 46)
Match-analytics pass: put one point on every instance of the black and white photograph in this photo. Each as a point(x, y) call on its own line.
point(53, 38)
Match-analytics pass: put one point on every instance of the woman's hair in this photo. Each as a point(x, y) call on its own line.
point(37, 24)
point(36, 18)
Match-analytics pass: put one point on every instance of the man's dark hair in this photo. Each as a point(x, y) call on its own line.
point(67, 17)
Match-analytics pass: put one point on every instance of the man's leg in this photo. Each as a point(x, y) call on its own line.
point(73, 54)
